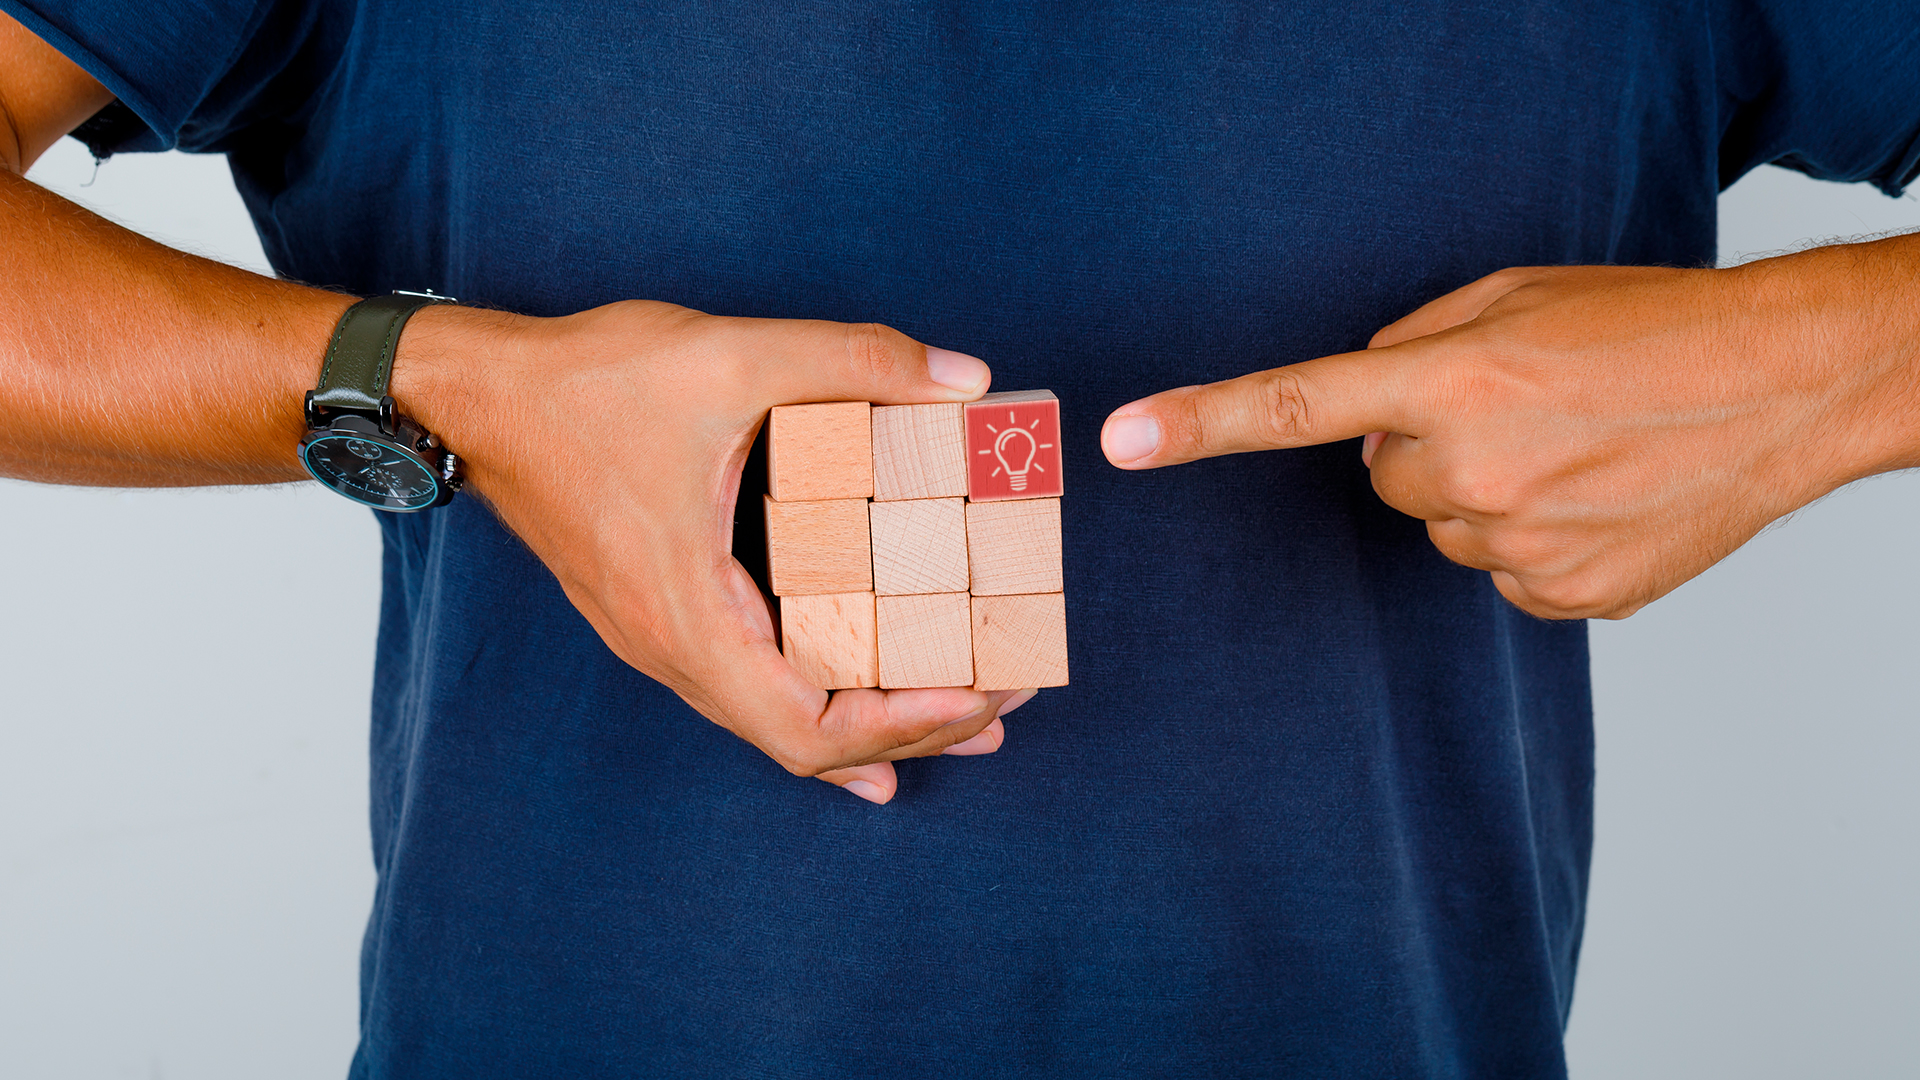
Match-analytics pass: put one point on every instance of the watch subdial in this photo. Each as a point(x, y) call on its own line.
point(381, 478)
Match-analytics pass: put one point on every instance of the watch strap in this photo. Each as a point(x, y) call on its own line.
point(360, 357)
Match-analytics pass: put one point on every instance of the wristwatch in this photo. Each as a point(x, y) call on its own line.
point(357, 443)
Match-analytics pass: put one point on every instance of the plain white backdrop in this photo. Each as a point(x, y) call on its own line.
point(184, 867)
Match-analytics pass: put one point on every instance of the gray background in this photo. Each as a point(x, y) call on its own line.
point(184, 868)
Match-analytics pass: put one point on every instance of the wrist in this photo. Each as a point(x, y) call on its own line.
point(448, 375)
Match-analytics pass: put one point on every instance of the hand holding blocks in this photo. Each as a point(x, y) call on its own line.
point(920, 587)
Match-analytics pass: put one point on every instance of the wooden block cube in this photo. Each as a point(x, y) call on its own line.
point(925, 640)
point(819, 547)
point(1019, 642)
point(919, 546)
point(832, 639)
point(919, 452)
point(818, 452)
point(1013, 547)
point(1013, 446)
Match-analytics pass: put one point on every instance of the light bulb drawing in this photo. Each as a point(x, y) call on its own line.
point(1016, 449)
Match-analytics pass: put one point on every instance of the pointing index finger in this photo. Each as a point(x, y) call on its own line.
point(1318, 401)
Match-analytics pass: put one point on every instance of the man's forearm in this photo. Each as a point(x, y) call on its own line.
point(124, 362)
point(1854, 311)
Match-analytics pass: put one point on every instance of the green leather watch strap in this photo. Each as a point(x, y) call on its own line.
point(360, 356)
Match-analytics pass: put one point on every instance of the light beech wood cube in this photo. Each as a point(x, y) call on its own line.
point(919, 452)
point(1019, 642)
point(832, 639)
point(925, 640)
point(819, 547)
point(818, 452)
point(1014, 547)
point(919, 546)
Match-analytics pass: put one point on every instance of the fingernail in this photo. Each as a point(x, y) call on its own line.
point(867, 790)
point(1370, 444)
point(956, 370)
point(984, 743)
point(1017, 700)
point(1130, 437)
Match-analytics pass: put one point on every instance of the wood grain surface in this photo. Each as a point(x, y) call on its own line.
point(919, 546)
point(919, 452)
point(1019, 642)
point(925, 640)
point(817, 452)
point(1014, 547)
point(832, 639)
point(818, 547)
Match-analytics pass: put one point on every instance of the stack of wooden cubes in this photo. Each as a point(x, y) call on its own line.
point(919, 545)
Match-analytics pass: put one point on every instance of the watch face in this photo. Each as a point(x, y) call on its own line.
point(373, 472)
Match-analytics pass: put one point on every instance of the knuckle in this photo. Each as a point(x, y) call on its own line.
point(1456, 548)
point(1522, 284)
point(1511, 277)
point(1181, 426)
point(897, 733)
point(1460, 555)
point(1523, 550)
point(1620, 611)
point(1472, 385)
point(1536, 609)
point(807, 760)
point(1252, 414)
point(1570, 596)
point(1481, 491)
point(1280, 413)
point(1394, 489)
point(874, 352)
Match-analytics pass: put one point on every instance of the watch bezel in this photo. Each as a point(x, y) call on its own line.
point(405, 438)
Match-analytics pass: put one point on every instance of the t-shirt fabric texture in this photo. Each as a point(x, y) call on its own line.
point(1318, 802)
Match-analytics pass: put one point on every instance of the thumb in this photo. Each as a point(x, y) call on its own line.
point(815, 360)
point(1319, 401)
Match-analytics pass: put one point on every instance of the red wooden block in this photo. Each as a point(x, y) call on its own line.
point(1013, 446)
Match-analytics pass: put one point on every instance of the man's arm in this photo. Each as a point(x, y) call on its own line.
point(124, 362)
point(1596, 436)
point(43, 95)
point(124, 359)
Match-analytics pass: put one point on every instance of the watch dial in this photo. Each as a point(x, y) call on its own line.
point(372, 472)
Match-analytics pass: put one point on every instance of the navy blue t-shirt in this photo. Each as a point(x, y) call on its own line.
point(1318, 802)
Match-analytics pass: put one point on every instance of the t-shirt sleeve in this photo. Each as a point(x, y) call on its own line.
point(187, 75)
point(1828, 87)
